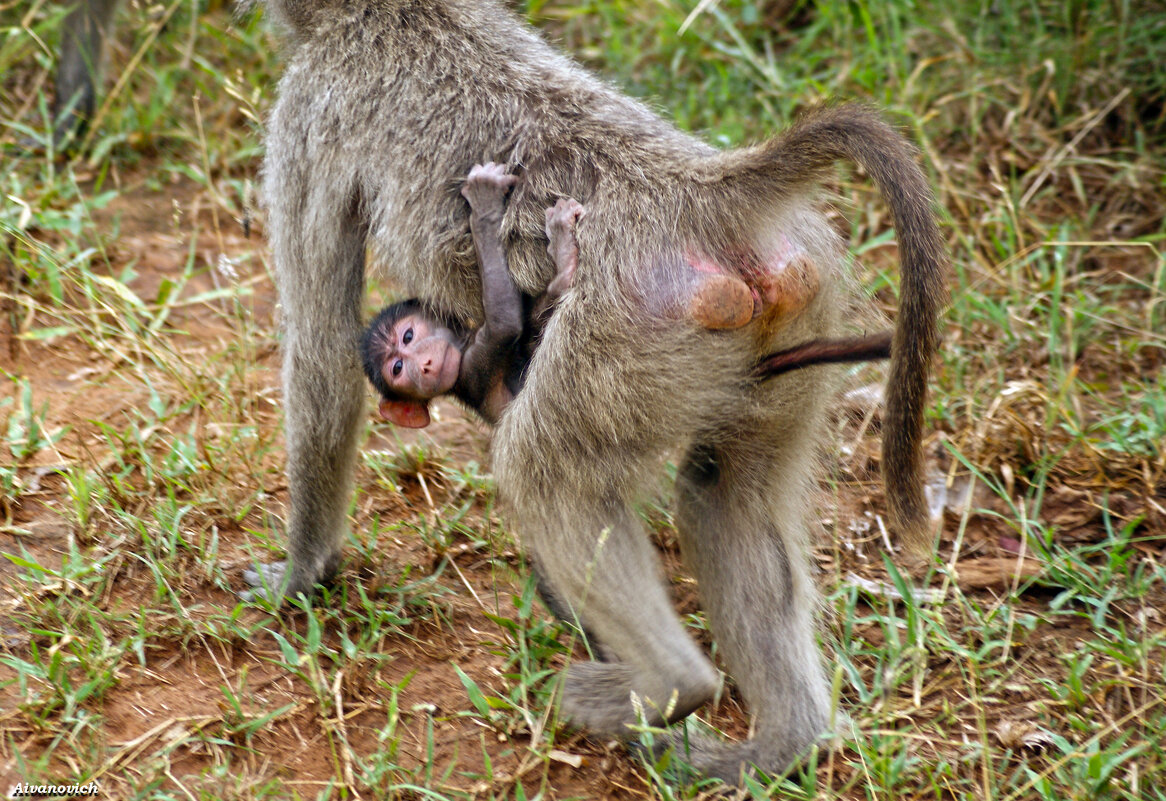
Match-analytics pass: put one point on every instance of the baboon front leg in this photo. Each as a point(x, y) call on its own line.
point(742, 533)
point(320, 266)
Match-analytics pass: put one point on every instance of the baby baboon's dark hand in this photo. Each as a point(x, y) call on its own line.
point(486, 187)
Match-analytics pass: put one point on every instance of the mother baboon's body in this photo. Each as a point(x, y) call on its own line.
point(385, 106)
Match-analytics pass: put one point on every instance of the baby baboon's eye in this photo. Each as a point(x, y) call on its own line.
point(398, 365)
point(405, 340)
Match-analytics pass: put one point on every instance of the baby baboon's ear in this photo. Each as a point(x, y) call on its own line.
point(406, 413)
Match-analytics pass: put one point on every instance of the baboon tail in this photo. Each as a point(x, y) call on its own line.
point(791, 161)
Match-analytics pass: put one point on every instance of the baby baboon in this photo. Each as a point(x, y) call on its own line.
point(411, 354)
point(384, 107)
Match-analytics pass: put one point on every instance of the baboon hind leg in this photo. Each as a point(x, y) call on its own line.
point(605, 571)
point(565, 614)
point(742, 533)
point(590, 549)
point(319, 247)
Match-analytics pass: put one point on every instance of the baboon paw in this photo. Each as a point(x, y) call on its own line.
point(683, 745)
point(702, 754)
point(772, 753)
point(486, 186)
point(275, 582)
point(266, 575)
point(597, 697)
point(610, 697)
point(268, 582)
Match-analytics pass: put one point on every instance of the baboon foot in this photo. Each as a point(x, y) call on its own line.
point(721, 302)
point(273, 582)
point(728, 761)
point(267, 581)
point(597, 696)
point(707, 756)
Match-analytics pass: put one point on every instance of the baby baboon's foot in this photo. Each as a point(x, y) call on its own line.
point(721, 302)
point(562, 247)
point(562, 216)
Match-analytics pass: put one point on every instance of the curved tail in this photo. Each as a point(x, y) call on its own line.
point(802, 155)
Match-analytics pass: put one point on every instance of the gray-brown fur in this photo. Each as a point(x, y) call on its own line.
point(384, 107)
point(79, 68)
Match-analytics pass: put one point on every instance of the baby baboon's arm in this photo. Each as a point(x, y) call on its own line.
point(488, 357)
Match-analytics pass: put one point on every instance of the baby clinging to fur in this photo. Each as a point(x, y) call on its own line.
point(411, 354)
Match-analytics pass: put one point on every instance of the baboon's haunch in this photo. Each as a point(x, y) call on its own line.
point(384, 107)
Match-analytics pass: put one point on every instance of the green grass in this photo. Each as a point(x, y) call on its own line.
point(142, 455)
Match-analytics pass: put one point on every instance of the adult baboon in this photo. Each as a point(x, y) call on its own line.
point(384, 107)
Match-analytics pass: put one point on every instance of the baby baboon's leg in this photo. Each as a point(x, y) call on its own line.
point(318, 248)
point(742, 533)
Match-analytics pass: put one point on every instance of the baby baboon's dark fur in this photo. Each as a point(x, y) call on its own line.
point(385, 106)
